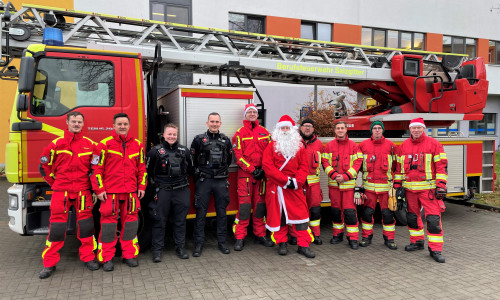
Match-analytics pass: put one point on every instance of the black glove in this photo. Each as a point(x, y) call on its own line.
point(401, 198)
point(258, 173)
point(440, 193)
point(290, 184)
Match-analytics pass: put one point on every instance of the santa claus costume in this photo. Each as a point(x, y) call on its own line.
point(286, 166)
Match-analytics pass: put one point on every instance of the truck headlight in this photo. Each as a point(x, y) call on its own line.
point(13, 205)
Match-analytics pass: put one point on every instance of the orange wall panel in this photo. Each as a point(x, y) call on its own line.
point(434, 42)
point(283, 26)
point(346, 33)
point(483, 48)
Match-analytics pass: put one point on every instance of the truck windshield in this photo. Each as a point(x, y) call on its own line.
point(64, 84)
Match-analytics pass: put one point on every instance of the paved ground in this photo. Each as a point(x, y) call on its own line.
point(471, 271)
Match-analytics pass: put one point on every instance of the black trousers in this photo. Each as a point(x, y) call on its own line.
point(175, 203)
point(204, 188)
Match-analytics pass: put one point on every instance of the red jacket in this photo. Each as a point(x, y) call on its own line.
point(249, 143)
point(65, 162)
point(119, 166)
point(379, 162)
point(421, 164)
point(314, 149)
point(342, 157)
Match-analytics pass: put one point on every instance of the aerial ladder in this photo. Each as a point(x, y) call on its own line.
point(441, 87)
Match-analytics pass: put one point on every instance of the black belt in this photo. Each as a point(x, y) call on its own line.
point(170, 187)
point(205, 175)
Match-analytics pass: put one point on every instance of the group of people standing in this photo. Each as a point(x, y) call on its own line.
point(278, 187)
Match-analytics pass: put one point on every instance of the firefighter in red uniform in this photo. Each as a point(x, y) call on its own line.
point(65, 166)
point(341, 160)
point(314, 196)
point(378, 166)
point(119, 180)
point(249, 142)
point(421, 171)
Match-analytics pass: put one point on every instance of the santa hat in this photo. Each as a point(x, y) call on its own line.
point(417, 122)
point(248, 107)
point(286, 120)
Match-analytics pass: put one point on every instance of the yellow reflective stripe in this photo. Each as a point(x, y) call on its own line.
point(264, 137)
point(115, 152)
point(142, 155)
point(416, 232)
point(99, 180)
point(95, 243)
point(143, 182)
point(419, 185)
point(435, 238)
point(314, 223)
point(402, 162)
point(103, 156)
point(389, 167)
point(366, 226)
point(440, 156)
point(310, 234)
point(352, 172)
point(47, 247)
point(135, 243)
point(399, 177)
point(239, 142)
point(332, 182)
point(263, 189)
point(272, 237)
point(64, 151)
point(365, 157)
point(348, 184)
point(103, 141)
point(441, 176)
point(133, 155)
point(247, 138)
point(236, 221)
point(82, 201)
point(327, 156)
point(359, 155)
point(328, 170)
point(338, 225)
point(389, 227)
point(352, 229)
point(315, 180)
point(83, 154)
point(56, 139)
point(99, 253)
point(52, 152)
point(244, 162)
point(428, 168)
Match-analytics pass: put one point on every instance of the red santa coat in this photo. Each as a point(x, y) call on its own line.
point(278, 197)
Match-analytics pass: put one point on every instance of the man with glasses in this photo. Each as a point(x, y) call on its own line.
point(378, 165)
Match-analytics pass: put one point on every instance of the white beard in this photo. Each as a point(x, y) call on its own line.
point(287, 142)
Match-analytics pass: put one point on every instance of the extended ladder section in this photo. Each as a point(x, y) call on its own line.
point(203, 50)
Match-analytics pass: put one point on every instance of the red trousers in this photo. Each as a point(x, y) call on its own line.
point(416, 200)
point(344, 211)
point(314, 196)
point(304, 237)
point(251, 197)
point(60, 205)
point(127, 206)
point(388, 228)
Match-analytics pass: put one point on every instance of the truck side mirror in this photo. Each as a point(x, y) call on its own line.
point(22, 102)
point(26, 74)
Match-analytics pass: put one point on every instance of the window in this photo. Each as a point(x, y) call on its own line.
point(392, 38)
point(492, 52)
point(316, 31)
point(459, 45)
point(452, 130)
point(487, 126)
point(247, 23)
point(64, 84)
point(170, 13)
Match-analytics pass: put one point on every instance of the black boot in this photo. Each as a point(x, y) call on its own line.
point(92, 265)
point(306, 252)
point(282, 250)
point(108, 266)
point(223, 248)
point(437, 255)
point(264, 241)
point(365, 241)
point(292, 240)
point(181, 253)
point(391, 244)
point(46, 272)
point(418, 245)
point(238, 246)
point(131, 262)
point(317, 240)
point(336, 239)
point(197, 250)
point(156, 257)
point(354, 244)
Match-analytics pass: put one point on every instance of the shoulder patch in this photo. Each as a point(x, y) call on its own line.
point(44, 159)
point(95, 159)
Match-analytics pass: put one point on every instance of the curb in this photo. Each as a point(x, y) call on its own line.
point(484, 206)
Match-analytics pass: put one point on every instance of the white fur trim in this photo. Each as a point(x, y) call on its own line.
point(249, 108)
point(297, 221)
point(284, 123)
point(417, 124)
point(273, 228)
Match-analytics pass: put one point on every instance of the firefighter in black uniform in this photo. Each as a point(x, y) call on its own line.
point(212, 155)
point(169, 165)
